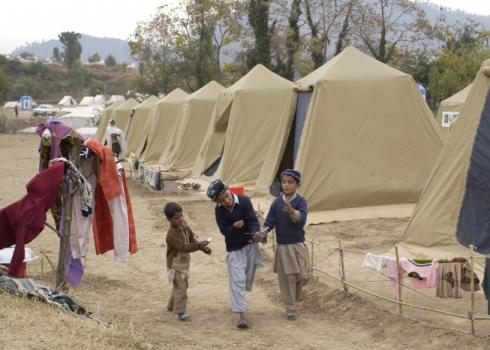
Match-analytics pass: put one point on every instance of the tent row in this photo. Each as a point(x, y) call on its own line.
point(90, 100)
point(358, 130)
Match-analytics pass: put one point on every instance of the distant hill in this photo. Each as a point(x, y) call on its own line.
point(432, 11)
point(90, 45)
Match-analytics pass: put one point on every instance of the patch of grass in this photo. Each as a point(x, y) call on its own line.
point(31, 324)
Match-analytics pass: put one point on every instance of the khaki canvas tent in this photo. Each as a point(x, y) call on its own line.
point(190, 126)
point(450, 108)
point(454, 209)
point(121, 114)
point(67, 101)
point(104, 121)
point(162, 119)
point(360, 133)
point(137, 130)
point(240, 133)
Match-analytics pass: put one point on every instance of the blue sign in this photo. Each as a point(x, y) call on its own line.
point(422, 89)
point(25, 103)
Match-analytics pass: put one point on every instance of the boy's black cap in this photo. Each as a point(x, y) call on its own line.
point(216, 188)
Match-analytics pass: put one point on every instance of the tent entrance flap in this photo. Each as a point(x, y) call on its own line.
point(474, 219)
point(304, 98)
point(287, 160)
point(212, 169)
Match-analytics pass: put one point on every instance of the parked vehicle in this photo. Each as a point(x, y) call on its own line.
point(44, 110)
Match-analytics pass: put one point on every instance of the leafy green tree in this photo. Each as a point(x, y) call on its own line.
point(72, 48)
point(77, 76)
point(466, 47)
point(94, 58)
point(5, 88)
point(26, 54)
point(96, 87)
point(110, 61)
point(258, 17)
point(56, 54)
point(293, 38)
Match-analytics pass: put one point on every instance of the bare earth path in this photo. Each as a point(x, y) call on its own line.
point(134, 295)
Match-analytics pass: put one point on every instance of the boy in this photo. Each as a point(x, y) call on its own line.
point(237, 221)
point(181, 241)
point(288, 215)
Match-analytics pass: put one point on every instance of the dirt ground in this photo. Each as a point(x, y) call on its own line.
point(136, 292)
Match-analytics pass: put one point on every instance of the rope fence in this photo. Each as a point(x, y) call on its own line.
point(341, 270)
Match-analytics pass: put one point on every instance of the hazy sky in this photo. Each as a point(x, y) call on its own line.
point(34, 20)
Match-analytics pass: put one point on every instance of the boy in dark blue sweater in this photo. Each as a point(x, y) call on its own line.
point(288, 215)
point(237, 221)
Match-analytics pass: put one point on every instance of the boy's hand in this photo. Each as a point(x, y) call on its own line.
point(203, 243)
point(288, 208)
point(208, 251)
point(238, 224)
point(256, 237)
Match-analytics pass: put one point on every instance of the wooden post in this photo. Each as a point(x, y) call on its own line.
point(42, 266)
point(274, 241)
point(312, 250)
point(342, 266)
point(472, 291)
point(399, 280)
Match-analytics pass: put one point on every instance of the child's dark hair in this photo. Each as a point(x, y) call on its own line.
point(171, 209)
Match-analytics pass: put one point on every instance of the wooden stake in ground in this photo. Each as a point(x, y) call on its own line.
point(472, 291)
point(342, 266)
point(399, 280)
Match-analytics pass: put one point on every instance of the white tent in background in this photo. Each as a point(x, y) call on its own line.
point(11, 104)
point(82, 117)
point(115, 98)
point(87, 101)
point(100, 99)
point(87, 132)
point(67, 101)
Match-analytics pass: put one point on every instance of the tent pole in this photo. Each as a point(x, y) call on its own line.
point(342, 266)
point(399, 280)
point(312, 249)
point(472, 291)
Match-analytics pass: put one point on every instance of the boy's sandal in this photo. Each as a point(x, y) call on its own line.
point(291, 315)
point(242, 323)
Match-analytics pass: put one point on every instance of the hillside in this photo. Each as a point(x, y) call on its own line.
point(90, 45)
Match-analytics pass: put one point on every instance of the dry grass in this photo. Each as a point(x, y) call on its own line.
point(29, 324)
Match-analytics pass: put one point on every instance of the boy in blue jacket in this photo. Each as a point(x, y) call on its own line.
point(237, 221)
point(288, 215)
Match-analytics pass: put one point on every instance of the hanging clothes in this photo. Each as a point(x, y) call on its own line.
point(113, 220)
point(23, 220)
point(449, 273)
point(421, 275)
point(375, 262)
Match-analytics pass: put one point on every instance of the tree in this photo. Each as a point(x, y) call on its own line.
point(5, 88)
point(26, 54)
point(72, 48)
point(345, 28)
point(110, 61)
point(466, 47)
point(293, 38)
point(96, 87)
point(384, 25)
point(77, 75)
point(94, 58)
point(56, 54)
point(258, 17)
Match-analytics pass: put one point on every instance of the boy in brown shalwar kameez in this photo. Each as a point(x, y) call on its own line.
point(288, 215)
point(181, 241)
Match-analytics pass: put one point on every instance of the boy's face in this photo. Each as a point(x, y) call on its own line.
point(289, 185)
point(225, 199)
point(177, 220)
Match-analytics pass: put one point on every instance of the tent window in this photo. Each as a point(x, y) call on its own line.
point(304, 98)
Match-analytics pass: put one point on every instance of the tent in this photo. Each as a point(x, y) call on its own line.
point(67, 101)
point(450, 108)
point(360, 133)
point(241, 130)
point(162, 118)
point(87, 101)
point(81, 117)
point(104, 121)
point(137, 130)
point(189, 129)
point(115, 98)
point(121, 114)
point(454, 209)
point(99, 99)
point(11, 104)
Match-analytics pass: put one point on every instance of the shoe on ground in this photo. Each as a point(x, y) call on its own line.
point(242, 323)
point(183, 316)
